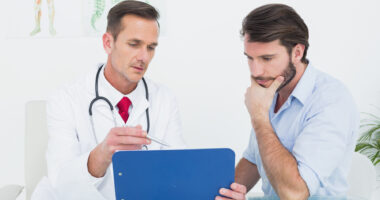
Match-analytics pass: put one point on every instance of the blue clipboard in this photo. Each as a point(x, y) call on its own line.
point(194, 174)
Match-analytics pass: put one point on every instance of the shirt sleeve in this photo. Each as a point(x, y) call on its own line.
point(328, 136)
point(249, 152)
point(65, 162)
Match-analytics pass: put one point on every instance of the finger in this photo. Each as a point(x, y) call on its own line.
point(125, 148)
point(276, 83)
point(246, 93)
point(144, 133)
point(221, 198)
point(231, 194)
point(239, 188)
point(131, 131)
point(138, 130)
point(132, 140)
point(253, 82)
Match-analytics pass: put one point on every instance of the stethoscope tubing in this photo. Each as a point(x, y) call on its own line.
point(101, 98)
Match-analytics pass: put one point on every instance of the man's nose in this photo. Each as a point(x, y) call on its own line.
point(256, 69)
point(143, 55)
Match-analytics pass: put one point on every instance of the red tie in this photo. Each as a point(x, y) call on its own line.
point(123, 106)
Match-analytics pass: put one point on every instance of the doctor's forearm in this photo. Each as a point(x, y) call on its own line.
point(97, 165)
point(279, 164)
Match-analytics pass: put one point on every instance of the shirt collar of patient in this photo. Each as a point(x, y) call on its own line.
point(301, 92)
point(305, 85)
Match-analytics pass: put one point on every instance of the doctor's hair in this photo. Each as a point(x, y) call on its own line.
point(277, 21)
point(129, 7)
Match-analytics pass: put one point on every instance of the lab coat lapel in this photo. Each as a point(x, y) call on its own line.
point(138, 111)
point(104, 110)
point(103, 120)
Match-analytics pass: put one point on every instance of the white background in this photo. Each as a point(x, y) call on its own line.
point(200, 57)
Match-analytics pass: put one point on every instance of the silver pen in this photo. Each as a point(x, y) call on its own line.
point(157, 140)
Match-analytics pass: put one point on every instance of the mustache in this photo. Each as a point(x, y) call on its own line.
point(260, 78)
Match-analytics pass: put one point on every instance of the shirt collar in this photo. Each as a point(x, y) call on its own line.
point(114, 96)
point(305, 85)
point(301, 92)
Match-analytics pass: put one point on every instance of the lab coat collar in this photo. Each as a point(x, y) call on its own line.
point(137, 97)
point(139, 102)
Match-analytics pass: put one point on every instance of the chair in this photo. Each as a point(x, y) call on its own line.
point(10, 192)
point(362, 177)
point(36, 139)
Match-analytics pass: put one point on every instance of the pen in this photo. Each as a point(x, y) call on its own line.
point(157, 140)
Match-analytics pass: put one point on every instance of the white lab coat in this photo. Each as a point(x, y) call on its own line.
point(71, 138)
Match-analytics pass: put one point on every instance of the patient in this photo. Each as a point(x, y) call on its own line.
point(304, 122)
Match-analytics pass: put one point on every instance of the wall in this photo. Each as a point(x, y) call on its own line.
point(200, 57)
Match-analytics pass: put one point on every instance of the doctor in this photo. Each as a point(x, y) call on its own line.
point(84, 133)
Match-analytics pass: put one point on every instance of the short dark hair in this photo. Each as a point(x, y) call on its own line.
point(277, 21)
point(129, 7)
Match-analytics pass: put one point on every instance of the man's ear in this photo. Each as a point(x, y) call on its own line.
point(297, 53)
point(108, 42)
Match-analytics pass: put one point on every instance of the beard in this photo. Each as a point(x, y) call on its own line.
point(288, 75)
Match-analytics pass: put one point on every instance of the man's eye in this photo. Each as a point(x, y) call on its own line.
point(151, 48)
point(132, 44)
point(267, 58)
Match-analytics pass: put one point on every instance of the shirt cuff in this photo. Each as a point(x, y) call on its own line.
point(248, 156)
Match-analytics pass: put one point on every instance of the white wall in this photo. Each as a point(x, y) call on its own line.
point(200, 57)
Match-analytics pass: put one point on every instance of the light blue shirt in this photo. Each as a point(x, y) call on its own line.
point(318, 125)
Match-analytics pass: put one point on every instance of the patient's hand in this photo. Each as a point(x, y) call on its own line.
point(237, 192)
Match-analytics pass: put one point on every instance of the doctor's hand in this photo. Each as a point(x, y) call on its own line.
point(119, 138)
point(237, 192)
point(258, 99)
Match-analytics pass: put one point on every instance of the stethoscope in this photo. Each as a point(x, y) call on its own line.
point(97, 97)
